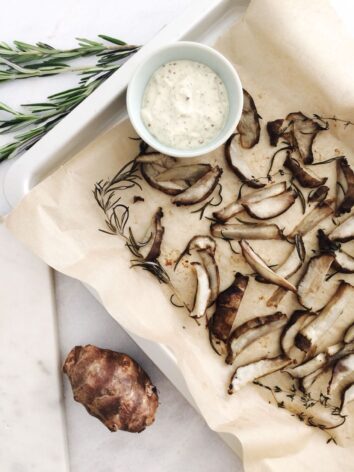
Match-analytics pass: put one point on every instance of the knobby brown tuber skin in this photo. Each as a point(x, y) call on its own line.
point(112, 387)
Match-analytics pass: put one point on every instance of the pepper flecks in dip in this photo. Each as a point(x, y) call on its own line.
point(185, 104)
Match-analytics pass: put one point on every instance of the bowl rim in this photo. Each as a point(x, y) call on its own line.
point(225, 132)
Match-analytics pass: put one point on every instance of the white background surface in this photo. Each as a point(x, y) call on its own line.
point(179, 439)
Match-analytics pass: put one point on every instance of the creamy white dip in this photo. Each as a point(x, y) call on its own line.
point(185, 104)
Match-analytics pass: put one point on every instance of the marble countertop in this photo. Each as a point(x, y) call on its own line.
point(29, 411)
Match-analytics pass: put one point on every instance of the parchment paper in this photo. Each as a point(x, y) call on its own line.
point(291, 55)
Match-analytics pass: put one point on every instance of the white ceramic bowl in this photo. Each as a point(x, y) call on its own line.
point(194, 52)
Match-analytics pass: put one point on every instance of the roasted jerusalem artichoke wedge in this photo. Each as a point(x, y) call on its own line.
point(249, 127)
point(343, 232)
point(252, 330)
point(345, 174)
point(200, 190)
point(236, 207)
point(203, 292)
point(259, 266)
point(226, 308)
point(347, 397)
point(308, 337)
point(342, 374)
point(238, 163)
point(164, 174)
point(289, 267)
point(312, 218)
point(301, 173)
point(271, 207)
point(303, 133)
point(152, 164)
point(312, 281)
point(246, 231)
point(154, 249)
point(298, 131)
point(297, 320)
point(210, 265)
point(253, 371)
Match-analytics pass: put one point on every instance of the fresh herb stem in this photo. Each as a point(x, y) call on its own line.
point(334, 118)
point(42, 117)
point(210, 202)
point(108, 197)
point(308, 402)
point(23, 60)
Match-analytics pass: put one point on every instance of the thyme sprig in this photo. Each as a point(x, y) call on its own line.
point(307, 402)
point(334, 118)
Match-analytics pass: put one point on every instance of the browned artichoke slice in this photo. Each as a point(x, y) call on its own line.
point(298, 131)
point(308, 367)
point(305, 177)
point(318, 195)
point(188, 173)
point(344, 232)
point(210, 265)
point(236, 207)
point(246, 231)
point(347, 203)
point(342, 374)
point(312, 280)
point(253, 371)
point(308, 337)
point(303, 133)
point(271, 207)
point(347, 397)
point(152, 165)
point(202, 295)
point(275, 130)
point(200, 190)
point(259, 266)
point(238, 163)
point(157, 235)
point(197, 243)
point(344, 262)
point(252, 330)
point(312, 218)
point(249, 127)
point(227, 305)
point(349, 334)
point(297, 320)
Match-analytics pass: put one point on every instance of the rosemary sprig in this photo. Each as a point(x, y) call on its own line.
point(108, 197)
point(24, 60)
point(44, 116)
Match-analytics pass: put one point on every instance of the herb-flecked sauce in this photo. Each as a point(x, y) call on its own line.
point(185, 104)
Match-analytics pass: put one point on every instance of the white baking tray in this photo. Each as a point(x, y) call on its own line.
point(204, 21)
